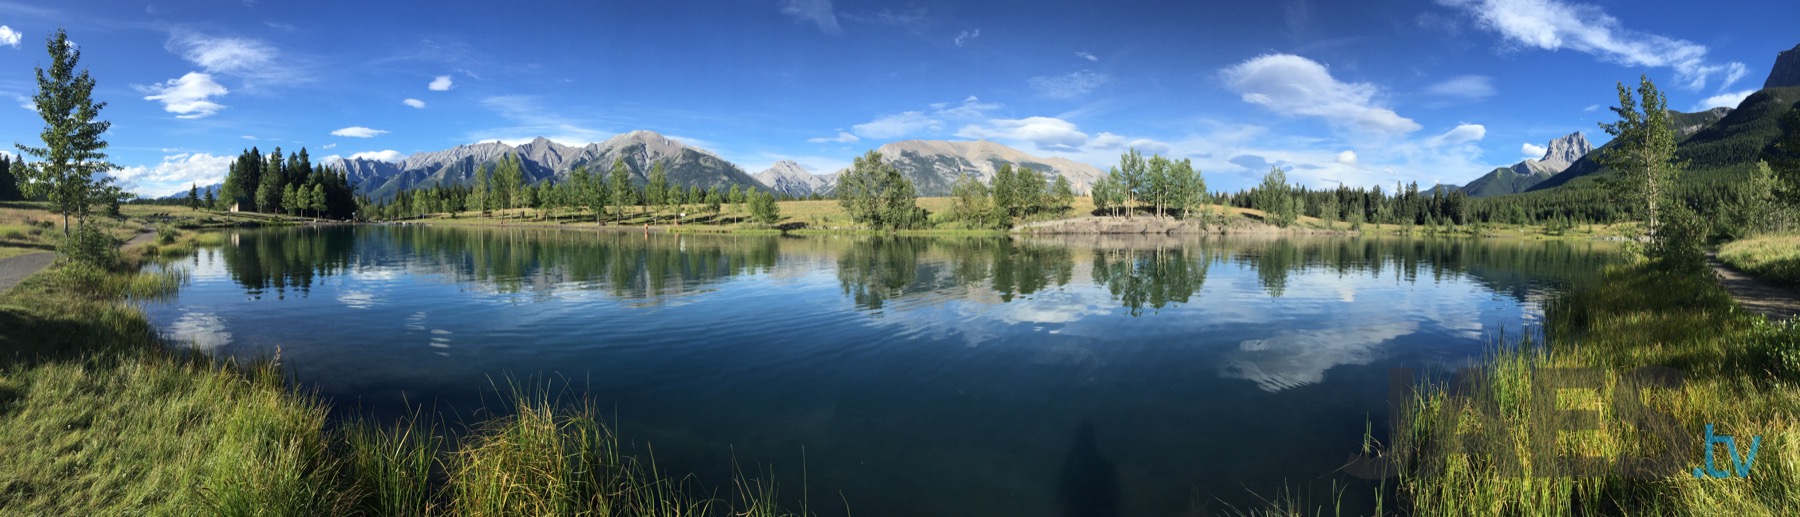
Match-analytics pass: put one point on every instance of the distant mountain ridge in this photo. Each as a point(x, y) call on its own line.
point(935, 165)
point(1558, 155)
point(544, 160)
point(790, 178)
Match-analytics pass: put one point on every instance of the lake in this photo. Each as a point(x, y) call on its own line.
point(896, 376)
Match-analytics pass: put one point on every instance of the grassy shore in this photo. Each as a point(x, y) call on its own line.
point(1503, 445)
point(827, 217)
point(1775, 258)
point(100, 416)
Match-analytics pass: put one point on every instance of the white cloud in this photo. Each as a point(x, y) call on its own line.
point(935, 120)
point(1347, 157)
point(250, 60)
point(966, 36)
point(1471, 87)
point(842, 138)
point(1087, 55)
point(189, 96)
point(390, 156)
point(1723, 100)
point(1111, 142)
point(818, 12)
point(332, 145)
point(1591, 108)
point(441, 83)
point(415, 103)
point(9, 37)
point(1068, 86)
point(1461, 134)
point(1294, 85)
point(1554, 25)
point(1531, 150)
point(1050, 134)
point(358, 132)
point(176, 173)
point(897, 125)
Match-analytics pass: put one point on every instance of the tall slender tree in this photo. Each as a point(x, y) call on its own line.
point(73, 154)
point(1643, 155)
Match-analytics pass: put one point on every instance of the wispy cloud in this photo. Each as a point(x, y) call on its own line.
point(1294, 85)
point(1461, 134)
point(1723, 100)
point(842, 138)
point(934, 120)
point(440, 83)
point(1555, 24)
point(414, 103)
point(188, 97)
point(1068, 86)
point(817, 12)
point(252, 61)
point(1347, 157)
point(358, 132)
point(530, 119)
point(1531, 150)
point(1471, 87)
point(965, 36)
point(1088, 56)
point(9, 37)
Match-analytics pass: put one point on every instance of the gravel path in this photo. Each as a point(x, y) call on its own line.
point(1772, 301)
point(15, 269)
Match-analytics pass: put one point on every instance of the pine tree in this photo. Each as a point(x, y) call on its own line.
point(193, 198)
point(73, 153)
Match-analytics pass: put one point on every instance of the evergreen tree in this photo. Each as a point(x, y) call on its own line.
point(1062, 195)
point(9, 183)
point(73, 154)
point(211, 200)
point(193, 197)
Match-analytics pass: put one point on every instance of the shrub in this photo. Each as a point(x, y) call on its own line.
point(88, 245)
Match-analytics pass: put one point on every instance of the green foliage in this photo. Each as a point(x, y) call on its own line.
point(970, 204)
point(623, 194)
point(89, 245)
point(763, 209)
point(656, 190)
point(1642, 153)
point(1108, 193)
point(73, 154)
point(1275, 198)
point(877, 195)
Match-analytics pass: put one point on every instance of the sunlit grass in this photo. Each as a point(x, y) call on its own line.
point(1494, 447)
point(1771, 257)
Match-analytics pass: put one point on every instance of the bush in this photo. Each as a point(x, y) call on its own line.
point(89, 245)
point(1679, 242)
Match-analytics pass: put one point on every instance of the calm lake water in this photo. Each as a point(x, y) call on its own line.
point(898, 376)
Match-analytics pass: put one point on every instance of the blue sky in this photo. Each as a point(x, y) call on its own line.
point(1361, 93)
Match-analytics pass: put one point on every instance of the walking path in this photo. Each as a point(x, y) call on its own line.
point(14, 269)
point(1772, 301)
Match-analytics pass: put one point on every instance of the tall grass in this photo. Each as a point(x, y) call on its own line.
point(1512, 439)
point(1772, 257)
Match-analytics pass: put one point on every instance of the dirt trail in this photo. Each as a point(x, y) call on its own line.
point(14, 269)
point(1775, 302)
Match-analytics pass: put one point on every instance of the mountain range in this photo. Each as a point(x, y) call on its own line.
point(933, 166)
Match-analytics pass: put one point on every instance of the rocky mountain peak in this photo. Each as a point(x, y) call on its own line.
point(1567, 149)
point(1787, 69)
